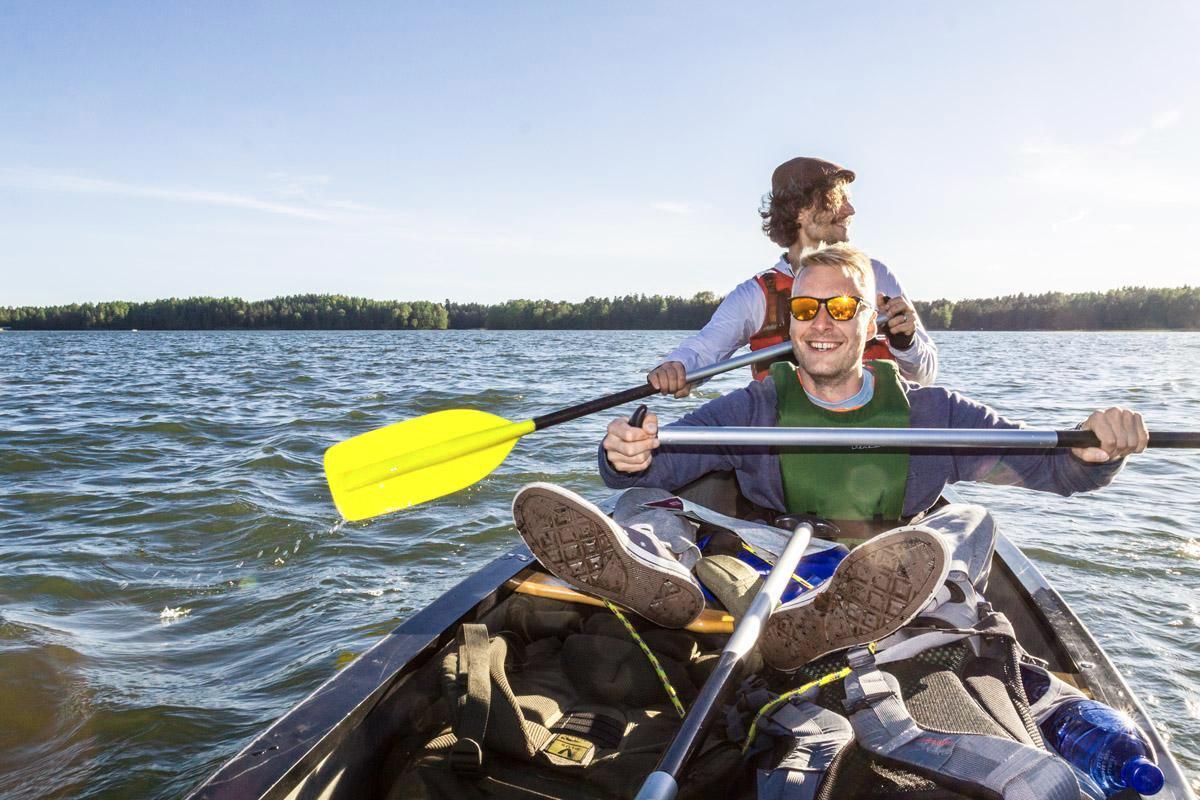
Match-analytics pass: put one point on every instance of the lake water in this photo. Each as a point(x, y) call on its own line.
point(173, 575)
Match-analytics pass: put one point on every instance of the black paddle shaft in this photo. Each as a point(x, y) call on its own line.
point(592, 406)
point(766, 354)
point(1176, 439)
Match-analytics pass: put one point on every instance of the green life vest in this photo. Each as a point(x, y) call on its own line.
point(839, 483)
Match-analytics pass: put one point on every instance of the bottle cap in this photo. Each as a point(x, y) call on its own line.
point(1142, 775)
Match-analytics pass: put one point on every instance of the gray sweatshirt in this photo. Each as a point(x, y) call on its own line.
point(929, 471)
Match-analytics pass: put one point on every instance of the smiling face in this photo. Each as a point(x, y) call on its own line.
point(830, 352)
point(818, 224)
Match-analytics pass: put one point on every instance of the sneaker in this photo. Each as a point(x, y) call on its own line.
point(874, 591)
point(579, 544)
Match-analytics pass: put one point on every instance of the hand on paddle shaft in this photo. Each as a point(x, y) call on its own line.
point(427, 457)
point(629, 448)
point(670, 378)
point(1120, 432)
point(900, 319)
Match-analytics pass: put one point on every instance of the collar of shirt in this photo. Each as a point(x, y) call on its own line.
point(858, 400)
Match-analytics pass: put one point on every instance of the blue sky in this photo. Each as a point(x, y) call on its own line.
point(490, 151)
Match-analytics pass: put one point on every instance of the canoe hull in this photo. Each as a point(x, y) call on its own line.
point(325, 744)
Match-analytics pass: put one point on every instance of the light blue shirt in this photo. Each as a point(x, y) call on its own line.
point(858, 400)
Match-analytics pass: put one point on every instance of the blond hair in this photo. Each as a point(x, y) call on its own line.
point(854, 264)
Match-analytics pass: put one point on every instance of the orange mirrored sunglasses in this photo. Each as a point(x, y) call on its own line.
point(841, 308)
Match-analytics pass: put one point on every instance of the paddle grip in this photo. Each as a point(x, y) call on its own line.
point(900, 341)
point(639, 416)
point(1175, 439)
point(592, 406)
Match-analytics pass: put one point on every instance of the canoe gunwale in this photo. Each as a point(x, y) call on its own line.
point(276, 761)
point(1088, 660)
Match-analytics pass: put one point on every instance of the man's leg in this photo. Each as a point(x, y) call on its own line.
point(579, 544)
point(875, 590)
point(675, 531)
point(969, 531)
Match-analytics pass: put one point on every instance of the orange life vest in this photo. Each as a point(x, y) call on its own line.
point(777, 289)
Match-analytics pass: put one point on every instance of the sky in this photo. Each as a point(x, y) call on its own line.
point(487, 151)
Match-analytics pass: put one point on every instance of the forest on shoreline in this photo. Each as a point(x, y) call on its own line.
point(1129, 308)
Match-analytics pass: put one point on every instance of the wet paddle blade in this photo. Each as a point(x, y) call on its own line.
point(417, 460)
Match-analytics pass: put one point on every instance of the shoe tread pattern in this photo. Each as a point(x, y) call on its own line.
point(876, 589)
point(569, 542)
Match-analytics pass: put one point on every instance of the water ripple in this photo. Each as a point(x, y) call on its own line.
point(183, 471)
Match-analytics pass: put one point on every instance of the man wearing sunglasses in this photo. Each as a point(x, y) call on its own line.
point(936, 569)
point(809, 205)
point(832, 322)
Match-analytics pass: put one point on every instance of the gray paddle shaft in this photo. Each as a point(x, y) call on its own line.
point(776, 352)
point(1002, 438)
point(662, 784)
point(857, 437)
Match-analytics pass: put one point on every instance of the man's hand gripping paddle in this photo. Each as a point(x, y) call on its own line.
point(431, 456)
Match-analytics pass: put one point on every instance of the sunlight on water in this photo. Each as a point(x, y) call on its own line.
point(182, 497)
point(170, 615)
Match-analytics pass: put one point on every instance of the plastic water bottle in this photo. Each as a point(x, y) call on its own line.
point(1104, 744)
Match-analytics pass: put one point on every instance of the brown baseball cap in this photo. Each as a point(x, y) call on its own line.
point(800, 173)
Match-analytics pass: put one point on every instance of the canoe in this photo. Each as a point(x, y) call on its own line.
point(332, 744)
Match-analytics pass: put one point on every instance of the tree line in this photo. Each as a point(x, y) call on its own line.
point(1128, 308)
point(296, 312)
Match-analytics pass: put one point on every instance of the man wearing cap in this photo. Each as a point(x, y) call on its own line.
point(809, 205)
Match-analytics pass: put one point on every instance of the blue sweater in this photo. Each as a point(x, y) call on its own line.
point(929, 471)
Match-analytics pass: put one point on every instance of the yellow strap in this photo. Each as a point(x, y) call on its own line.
point(770, 707)
point(795, 577)
point(658, 670)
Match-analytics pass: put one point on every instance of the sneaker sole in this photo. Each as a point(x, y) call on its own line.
point(569, 539)
point(875, 590)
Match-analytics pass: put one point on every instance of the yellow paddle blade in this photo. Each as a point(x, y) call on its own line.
point(417, 460)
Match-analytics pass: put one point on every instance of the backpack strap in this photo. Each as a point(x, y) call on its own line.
point(816, 736)
point(474, 703)
point(997, 767)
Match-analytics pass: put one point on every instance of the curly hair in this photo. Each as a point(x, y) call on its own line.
point(779, 211)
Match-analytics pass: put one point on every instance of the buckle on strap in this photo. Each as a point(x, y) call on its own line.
point(466, 757)
point(865, 702)
point(860, 658)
